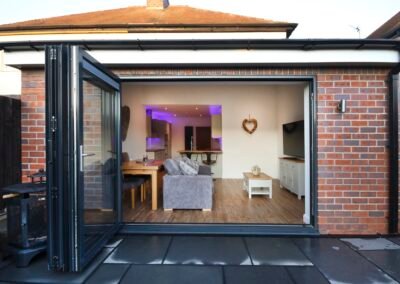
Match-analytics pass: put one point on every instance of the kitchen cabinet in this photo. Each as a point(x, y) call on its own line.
point(216, 126)
point(148, 126)
point(157, 154)
point(156, 128)
point(158, 142)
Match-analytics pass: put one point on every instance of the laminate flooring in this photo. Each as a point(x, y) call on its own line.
point(231, 204)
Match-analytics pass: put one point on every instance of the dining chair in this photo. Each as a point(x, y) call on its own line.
point(147, 181)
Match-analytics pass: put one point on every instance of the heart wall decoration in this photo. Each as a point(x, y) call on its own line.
point(249, 125)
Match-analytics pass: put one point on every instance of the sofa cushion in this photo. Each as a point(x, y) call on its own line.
point(172, 167)
point(186, 169)
point(204, 170)
point(194, 164)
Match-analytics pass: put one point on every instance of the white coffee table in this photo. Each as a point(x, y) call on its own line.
point(257, 185)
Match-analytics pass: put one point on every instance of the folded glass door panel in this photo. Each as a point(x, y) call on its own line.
point(82, 110)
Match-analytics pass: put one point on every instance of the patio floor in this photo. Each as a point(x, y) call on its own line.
point(216, 259)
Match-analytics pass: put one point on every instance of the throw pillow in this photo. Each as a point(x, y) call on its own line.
point(172, 167)
point(194, 164)
point(186, 169)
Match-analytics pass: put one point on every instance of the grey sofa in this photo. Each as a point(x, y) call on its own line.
point(189, 192)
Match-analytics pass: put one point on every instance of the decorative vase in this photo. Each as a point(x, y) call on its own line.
point(256, 170)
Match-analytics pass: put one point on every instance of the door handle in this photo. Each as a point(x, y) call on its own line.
point(88, 155)
point(83, 155)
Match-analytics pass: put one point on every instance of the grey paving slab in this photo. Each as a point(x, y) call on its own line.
point(387, 260)
point(256, 275)
point(207, 251)
point(140, 250)
point(37, 272)
point(306, 274)
point(339, 263)
point(275, 251)
point(396, 240)
point(370, 244)
point(173, 274)
point(108, 274)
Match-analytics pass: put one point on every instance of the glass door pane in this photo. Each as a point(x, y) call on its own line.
point(99, 164)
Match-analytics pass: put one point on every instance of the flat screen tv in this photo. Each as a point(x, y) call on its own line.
point(293, 139)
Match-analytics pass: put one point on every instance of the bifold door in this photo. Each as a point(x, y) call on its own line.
point(83, 156)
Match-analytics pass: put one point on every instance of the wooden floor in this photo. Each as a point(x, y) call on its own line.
point(230, 205)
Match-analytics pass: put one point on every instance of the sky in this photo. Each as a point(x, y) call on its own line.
point(316, 18)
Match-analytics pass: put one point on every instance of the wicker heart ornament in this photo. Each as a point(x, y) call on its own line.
point(250, 125)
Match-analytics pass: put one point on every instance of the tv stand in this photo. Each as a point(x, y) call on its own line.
point(292, 175)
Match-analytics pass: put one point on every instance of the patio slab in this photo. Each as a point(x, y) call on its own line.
point(208, 251)
point(306, 274)
point(339, 263)
point(275, 251)
point(173, 274)
point(370, 244)
point(140, 250)
point(256, 275)
point(387, 260)
point(396, 240)
point(108, 273)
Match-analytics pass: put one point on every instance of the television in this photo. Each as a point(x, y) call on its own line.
point(293, 139)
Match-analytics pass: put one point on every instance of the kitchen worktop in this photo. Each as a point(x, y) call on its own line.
point(155, 150)
point(200, 151)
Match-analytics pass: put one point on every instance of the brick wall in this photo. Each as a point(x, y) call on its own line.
point(32, 122)
point(352, 155)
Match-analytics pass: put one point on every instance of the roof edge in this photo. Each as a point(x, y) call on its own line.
point(388, 29)
point(303, 44)
point(133, 26)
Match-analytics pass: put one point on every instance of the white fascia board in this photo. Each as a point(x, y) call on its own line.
point(154, 57)
point(143, 36)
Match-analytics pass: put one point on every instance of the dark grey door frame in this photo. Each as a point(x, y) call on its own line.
point(394, 90)
point(65, 66)
point(243, 229)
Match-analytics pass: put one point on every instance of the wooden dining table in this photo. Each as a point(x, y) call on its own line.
point(152, 168)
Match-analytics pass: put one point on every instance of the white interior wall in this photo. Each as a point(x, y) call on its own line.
point(289, 109)
point(241, 150)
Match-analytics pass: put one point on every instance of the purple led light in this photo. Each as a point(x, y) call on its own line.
point(153, 140)
point(154, 143)
point(220, 142)
point(165, 116)
point(215, 109)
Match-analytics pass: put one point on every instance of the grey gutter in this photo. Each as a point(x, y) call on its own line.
point(300, 44)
